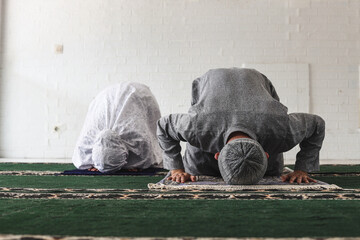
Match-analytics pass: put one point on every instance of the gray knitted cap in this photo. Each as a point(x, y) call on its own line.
point(242, 161)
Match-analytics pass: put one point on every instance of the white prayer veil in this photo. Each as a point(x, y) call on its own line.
point(120, 130)
point(109, 152)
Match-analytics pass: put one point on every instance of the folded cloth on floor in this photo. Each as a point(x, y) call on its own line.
point(145, 172)
point(217, 183)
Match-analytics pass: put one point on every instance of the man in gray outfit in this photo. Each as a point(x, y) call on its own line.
point(237, 128)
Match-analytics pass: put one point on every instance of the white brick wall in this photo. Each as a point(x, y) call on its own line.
point(291, 82)
point(166, 44)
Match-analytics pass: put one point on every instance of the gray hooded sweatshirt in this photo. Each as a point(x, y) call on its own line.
point(230, 100)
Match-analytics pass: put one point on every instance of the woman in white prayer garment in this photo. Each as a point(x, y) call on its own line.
point(120, 131)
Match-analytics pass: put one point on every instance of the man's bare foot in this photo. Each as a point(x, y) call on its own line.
point(93, 169)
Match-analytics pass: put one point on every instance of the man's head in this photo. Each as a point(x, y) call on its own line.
point(242, 161)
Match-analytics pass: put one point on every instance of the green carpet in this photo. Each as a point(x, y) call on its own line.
point(124, 182)
point(335, 168)
point(119, 182)
point(339, 168)
point(342, 181)
point(170, 218)
point(35, 167)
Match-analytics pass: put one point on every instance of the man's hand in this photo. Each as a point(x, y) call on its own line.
point(297, 176)
point(178, 175)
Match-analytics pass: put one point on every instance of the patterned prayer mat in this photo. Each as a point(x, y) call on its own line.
point(186, 196)
point(143, 194)
point(217, 184)
point(110, 190)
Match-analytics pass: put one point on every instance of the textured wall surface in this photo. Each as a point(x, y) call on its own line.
point(166, 44)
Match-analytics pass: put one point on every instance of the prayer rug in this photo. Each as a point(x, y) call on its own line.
point(218, 184)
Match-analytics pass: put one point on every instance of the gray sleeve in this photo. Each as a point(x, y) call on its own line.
point(170, 131)
point(308, 131)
